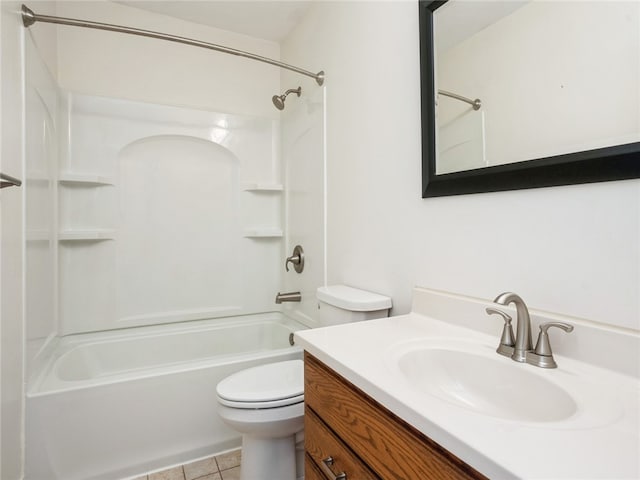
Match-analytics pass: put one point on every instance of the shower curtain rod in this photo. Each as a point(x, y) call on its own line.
point(475, 103)
point(29, 18)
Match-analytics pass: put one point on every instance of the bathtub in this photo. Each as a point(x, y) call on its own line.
point(112, 405)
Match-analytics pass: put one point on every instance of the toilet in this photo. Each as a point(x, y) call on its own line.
point(266, 403)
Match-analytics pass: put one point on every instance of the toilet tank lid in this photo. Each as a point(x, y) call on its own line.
point(353, 299)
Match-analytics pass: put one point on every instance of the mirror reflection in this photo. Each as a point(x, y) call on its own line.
point(549, 78)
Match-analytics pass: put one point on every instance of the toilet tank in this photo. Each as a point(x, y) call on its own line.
point(342, 304)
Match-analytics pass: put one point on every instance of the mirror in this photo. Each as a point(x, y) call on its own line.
point(521, 94)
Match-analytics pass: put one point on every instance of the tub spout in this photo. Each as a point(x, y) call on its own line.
point(288, 297)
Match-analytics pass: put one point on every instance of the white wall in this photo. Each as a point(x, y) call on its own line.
point(572, 250)
point(44, 36)
point(11, 248)
point(566, 80)
point(137, 68)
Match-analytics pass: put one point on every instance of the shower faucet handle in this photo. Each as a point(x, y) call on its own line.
point(297, 259)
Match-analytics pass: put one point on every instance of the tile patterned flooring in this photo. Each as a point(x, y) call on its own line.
point(225, 466)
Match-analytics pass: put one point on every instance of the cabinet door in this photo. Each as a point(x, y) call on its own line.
point(390, 447)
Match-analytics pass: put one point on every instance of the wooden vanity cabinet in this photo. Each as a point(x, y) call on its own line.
point(365, 440)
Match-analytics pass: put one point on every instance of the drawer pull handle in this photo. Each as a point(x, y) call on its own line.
point(326, 467)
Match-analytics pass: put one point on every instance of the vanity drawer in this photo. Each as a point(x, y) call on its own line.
point(392, 448)
point(320, 443)
point(311, 470)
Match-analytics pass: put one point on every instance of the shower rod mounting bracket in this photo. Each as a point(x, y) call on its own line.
point(9, 181)
point(29, 17)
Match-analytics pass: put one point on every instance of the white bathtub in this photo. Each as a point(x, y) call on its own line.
point(106, 406)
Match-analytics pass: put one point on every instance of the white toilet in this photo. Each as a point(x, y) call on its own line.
point(266, 403)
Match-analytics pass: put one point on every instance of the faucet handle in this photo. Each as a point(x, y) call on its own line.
point(543, 347)
point(297, 259)
point(507, 342)
point(542, 356)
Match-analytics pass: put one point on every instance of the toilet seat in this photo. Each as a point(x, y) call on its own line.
point(284, 402)
point(266, 386)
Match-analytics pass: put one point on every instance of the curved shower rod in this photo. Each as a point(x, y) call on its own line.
point(476, 104)
point(29, 18)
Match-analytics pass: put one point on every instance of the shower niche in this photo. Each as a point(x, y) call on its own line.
point(165, 214)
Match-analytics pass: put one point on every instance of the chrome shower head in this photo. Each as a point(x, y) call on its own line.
point(278, 100)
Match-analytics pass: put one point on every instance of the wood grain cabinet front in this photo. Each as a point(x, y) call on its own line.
point(330, 454)
point(311, 470)
point(349, 436)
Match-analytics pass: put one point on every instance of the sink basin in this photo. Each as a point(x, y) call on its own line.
point(484, 382)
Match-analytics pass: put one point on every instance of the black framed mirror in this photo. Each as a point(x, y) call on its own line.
point(618, 159)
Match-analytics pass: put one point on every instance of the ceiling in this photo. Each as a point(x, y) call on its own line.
point(266, 19)
point(456, 21)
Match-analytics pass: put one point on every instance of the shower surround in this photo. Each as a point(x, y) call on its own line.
point(160, 204)
point(152, 197)
point(166, 215)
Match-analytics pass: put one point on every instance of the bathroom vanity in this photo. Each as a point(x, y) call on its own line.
point(426, 396)
point(348, 432)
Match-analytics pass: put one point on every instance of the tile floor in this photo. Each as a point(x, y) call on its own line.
point(225, 466)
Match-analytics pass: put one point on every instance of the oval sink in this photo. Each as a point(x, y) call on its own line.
point(491, 386)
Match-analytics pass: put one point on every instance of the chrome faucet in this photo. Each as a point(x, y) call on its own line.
point(523, 327)
point(288, 297)
point(521, 350)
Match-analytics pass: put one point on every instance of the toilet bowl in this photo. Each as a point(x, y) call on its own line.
point(266, 405)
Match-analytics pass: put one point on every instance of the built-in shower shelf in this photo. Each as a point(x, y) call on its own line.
point(263, 187)
point(86, 235)
point(263, 233)
point(85, 179)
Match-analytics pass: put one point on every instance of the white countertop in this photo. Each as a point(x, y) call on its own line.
point(601, 440)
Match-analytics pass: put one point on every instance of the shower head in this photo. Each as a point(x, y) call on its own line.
point(278, 100)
